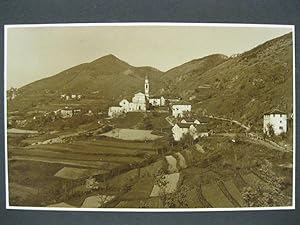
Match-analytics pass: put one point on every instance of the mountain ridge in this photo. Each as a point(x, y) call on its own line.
point(241, 87)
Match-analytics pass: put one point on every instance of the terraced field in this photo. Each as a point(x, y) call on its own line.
point(100, 154)
point(113, 152)
point(69, 165)
point(214, 195)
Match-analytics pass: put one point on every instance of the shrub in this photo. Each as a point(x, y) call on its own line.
point(268, 193)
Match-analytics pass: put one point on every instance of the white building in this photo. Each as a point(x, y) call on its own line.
point(68, 112)
point(138, 103)
point(114, 111)
point(201, 131)
point(196, 131)
point(179, 130)
point(125, 104)
point(277, 119)
point(157, 101)
point(180, 108)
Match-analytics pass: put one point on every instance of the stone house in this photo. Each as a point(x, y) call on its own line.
point(180, 108)
point(277, 120)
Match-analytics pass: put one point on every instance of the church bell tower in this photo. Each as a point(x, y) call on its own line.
point(147, 87)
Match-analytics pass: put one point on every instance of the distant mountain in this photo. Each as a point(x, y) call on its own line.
point(108, 75)
point(242, 87)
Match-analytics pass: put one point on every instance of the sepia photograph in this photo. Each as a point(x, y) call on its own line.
point(150, 116)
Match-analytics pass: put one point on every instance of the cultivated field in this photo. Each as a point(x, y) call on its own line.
point(69, 163)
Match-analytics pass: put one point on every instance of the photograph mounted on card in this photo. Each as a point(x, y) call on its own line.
point(150, 117)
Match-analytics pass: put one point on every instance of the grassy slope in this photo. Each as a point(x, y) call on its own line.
point(112, 77)
point(243, 87)
point(246, 86)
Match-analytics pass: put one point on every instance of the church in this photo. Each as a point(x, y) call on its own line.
point(138, 103)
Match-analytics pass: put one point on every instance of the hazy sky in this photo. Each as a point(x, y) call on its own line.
point(35, 53)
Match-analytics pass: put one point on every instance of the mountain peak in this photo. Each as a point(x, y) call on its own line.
point(110, 58)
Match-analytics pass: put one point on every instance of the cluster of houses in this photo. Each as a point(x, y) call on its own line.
point(276, 119)
point(141, 102)
point(70, 97)
point(194, 127)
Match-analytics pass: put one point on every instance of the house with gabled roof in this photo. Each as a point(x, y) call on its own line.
point(190, 121)
point(180, 108)
point(180, 129)
point(195, 130)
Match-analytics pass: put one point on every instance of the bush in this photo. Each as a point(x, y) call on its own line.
point(268, 193)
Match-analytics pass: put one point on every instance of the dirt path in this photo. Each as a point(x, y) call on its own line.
point(229, 120)
point(256, 141)
point(169, 120)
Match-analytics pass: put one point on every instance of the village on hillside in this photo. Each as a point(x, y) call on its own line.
point(215, 132)
point(140, 153)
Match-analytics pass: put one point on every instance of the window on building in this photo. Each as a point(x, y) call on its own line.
point(281, 128)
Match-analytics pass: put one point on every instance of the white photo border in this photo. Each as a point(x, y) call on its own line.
point(157, 24)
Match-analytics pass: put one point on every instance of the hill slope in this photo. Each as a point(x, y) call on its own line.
point(110, 76)
point(243, 87)
point(183, 78)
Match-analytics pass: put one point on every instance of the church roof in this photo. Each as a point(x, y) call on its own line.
point(139, 93)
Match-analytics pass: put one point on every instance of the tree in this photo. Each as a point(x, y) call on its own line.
point(186, 141)
point(91, 184)
point(177, 199)
point(170, 139)
point(266, 193)
point(147, 123)
point(270, 130)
